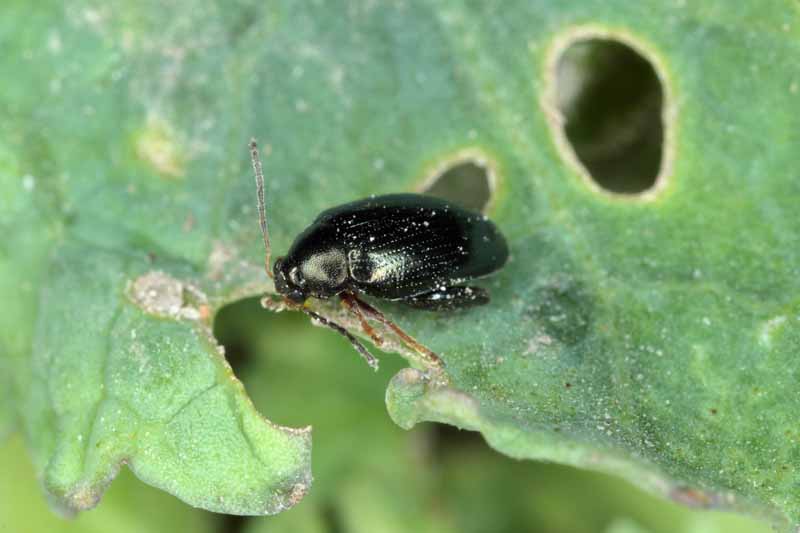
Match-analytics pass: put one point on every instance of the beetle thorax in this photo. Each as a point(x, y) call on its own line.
point(325, 272)
point(320, 273)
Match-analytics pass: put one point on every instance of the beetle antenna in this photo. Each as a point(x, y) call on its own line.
point(262, 211)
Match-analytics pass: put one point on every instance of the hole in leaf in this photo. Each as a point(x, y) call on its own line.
point(233, 523)
point(611, 100)
point(446, 438)
point(466, 183)
point(233, 328)
point(283, 357)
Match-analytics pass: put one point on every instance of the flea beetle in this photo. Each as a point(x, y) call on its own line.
point(415, 249)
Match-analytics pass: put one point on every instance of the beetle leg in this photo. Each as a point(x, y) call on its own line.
point(347, 301)
point(368, 357)
point(410, 341)
point(281, 305)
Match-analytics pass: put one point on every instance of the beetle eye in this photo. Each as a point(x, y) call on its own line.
point(297, 297)
point(297, 277)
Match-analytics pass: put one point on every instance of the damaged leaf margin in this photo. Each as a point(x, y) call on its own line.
point(412, 397)
point(137, 379)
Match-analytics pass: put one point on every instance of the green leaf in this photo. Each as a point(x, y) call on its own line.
point(110, 258)
point(129, 507)
point(7, 421)
point(653, 339)
point(431, 478)
point(27, 234)
point(150, 391)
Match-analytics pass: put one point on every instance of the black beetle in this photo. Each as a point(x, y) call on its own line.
point(410, 248)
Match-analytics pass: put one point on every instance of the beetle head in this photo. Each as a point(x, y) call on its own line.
point(289, 281)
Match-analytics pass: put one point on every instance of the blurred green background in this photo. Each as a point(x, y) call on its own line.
point(433, 478)
point(370, 475)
